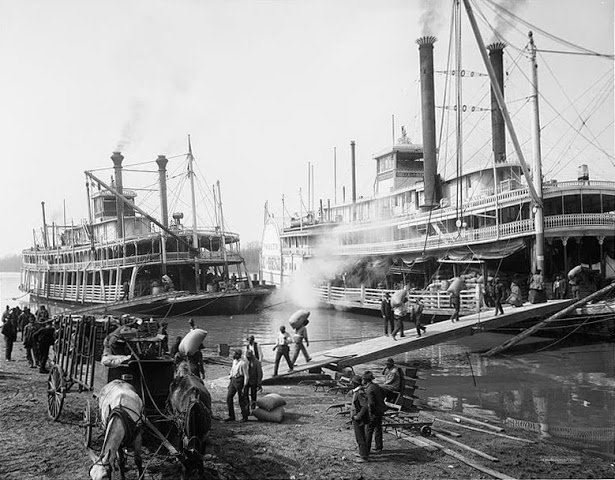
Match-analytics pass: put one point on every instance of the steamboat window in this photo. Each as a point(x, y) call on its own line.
point(572, 204)
point(591, 204)
point(553, 206)
point(608, 203)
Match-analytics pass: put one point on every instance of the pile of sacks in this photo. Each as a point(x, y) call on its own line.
point(270, 408)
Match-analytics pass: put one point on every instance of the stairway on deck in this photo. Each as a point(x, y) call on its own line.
point(383, 347)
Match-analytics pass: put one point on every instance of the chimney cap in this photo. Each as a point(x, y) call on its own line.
point(426, 40)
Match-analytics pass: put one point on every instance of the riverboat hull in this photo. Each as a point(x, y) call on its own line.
point(172, 304)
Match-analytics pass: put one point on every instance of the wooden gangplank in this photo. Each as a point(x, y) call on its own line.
point(383, 347)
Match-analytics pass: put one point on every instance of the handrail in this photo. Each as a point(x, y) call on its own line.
point(468, 236)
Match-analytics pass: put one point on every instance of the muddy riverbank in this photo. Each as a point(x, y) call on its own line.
point(310, 443)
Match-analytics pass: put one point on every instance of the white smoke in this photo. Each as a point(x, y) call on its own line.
point(320, 269)
point(130, 129)
point(432, 16)
point(502, 22)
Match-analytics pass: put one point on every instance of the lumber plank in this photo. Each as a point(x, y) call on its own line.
point(478, 422)
point(466, 447)
point(468, 427)
point(448, 432)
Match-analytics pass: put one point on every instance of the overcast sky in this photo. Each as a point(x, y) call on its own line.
point(262, 87)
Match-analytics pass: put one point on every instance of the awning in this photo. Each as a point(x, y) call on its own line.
point(491, 251)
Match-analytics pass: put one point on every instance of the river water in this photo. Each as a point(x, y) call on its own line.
point(564, 394)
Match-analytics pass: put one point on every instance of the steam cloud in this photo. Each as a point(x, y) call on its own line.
point(130, 129)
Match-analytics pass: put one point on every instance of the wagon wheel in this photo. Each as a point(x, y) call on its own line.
point(87, 424)
point(55, 392)
point(426, 430)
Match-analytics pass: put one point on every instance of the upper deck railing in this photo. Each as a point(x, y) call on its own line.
point(468, 236)
point(151, 258)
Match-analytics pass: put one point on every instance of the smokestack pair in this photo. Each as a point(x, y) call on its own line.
point(162, 161)
point(429, 115)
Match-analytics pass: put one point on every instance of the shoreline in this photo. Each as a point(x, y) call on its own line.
point(311, 442)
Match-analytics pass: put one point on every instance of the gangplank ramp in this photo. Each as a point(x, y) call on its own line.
point(383, 347)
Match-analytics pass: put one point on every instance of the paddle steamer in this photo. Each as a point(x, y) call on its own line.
point(124, 260)
point(500, 217)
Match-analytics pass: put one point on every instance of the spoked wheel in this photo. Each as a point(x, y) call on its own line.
point(426, 430)
point(55, 392)
point(87, 424)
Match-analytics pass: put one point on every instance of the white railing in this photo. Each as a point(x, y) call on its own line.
point(576, 184)
point(434, 302)
point(467, 236)
point(130, 261)
point(580, 219)
point(80, 293)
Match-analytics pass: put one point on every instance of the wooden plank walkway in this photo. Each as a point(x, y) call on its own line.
point(384, 347)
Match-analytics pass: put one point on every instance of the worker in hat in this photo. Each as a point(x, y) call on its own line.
point(238, 383)
point(377, 407)
point(253, 347)
point(387, 314)
point(393, 381)
point(359, 414)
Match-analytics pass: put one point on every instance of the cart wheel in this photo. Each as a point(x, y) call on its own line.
point(55, 392)
point(87, 424)
point(426, 430)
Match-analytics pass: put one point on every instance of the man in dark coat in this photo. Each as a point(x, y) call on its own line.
point(28, 342)
point(9, 330)
point(377, 407)
point(387, 314)
point(359, 414)
point(255, 377)
point(44, 338)
point(498, 293)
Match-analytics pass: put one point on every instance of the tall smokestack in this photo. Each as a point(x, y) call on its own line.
point(498, 127)
point(162, 182)
point(428, 108)
point(117, 158)
point(354, 173)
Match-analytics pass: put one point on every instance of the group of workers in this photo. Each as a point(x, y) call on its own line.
point(369, 404)
point(37, 334)
point(394, 316)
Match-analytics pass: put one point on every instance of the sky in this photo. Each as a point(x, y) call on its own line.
point(263, 88)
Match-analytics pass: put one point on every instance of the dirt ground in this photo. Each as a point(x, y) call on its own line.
point(311, 442)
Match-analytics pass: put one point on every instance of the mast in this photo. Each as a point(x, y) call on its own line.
point(89, 229)
point(223, 239)
point(195, 236)
point(500, 99)
point(537, 158)
point(459, 117)
point(335, 175)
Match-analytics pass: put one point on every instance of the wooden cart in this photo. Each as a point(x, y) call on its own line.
point(78, 351)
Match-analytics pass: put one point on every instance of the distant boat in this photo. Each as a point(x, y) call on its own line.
point(123, 260)
point(422, 226)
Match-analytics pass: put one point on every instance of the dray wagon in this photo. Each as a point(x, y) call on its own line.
point(78, 351)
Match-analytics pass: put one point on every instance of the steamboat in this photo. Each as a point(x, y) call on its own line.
point(495, 216)
point(123, 260)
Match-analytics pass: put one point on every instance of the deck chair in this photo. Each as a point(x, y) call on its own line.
point(343, 385)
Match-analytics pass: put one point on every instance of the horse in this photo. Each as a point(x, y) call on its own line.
point(189, 404)
point(121, 411)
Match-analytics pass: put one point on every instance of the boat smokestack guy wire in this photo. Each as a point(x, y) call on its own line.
point(498, 127)
point(117, 158)
point(428, 111)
